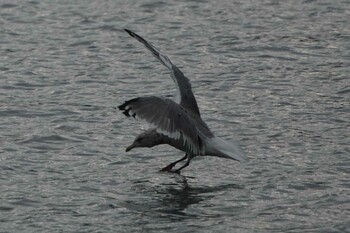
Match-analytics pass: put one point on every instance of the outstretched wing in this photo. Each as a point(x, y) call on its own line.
point(168, 118)
point(184, 95)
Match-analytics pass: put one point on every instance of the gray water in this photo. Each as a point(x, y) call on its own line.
point(272, 74)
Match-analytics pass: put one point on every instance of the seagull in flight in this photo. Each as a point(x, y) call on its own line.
point(176, 122)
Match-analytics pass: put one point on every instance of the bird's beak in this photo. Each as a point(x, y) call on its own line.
point(130, 147)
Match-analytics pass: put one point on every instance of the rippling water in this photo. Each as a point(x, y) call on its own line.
point(273, 74)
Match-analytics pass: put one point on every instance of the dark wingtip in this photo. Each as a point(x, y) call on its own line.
point(125, 111)
point(131, 33)
point(122, 106)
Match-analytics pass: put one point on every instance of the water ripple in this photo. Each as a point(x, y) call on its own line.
point(272, 74)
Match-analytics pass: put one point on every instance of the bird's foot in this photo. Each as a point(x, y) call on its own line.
point(167, 168)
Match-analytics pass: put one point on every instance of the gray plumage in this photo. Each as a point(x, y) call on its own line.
point(176, 122)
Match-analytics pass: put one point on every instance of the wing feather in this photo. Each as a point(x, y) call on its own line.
point(168, 118)
point(184, 95)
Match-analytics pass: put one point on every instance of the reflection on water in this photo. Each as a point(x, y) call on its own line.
point(159, 198)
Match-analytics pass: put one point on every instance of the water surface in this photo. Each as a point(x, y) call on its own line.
point(272, 74)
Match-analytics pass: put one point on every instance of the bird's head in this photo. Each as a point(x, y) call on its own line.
point(149, 138)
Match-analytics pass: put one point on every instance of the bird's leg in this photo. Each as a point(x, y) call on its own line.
point(185, 165)
point(170, 166)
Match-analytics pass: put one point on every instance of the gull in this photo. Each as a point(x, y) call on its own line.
point(176, 122)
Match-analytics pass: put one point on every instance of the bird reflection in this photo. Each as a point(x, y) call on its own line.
point(170, 196)
point(175, 198)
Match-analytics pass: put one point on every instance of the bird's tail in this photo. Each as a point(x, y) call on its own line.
point(226, 149)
